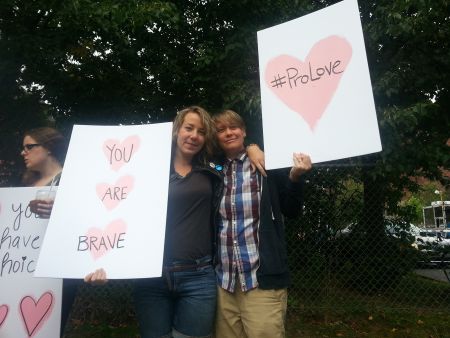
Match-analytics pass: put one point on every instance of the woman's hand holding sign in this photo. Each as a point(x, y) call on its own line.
point(98, 277)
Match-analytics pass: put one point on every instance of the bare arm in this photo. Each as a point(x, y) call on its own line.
point(257, 160)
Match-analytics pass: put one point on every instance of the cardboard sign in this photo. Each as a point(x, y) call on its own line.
point(110, 209)
point(29, 306)
point(315, 88)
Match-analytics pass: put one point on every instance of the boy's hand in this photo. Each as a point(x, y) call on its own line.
point(302, 164)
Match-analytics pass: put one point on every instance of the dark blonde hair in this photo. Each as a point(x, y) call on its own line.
point(209, 148)
point(53, 141)
point(230, 117)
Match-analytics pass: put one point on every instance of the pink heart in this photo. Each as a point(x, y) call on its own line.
point(103, 241)
point(308, 87)
point(34, 313)
point(119, 153)
point(3, 313)
point(112, 195)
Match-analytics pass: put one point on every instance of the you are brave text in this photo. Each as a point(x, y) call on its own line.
point(119, 154)
point(115, 193)
point(100, 243)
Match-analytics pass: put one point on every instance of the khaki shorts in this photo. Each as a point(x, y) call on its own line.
point(253, 314)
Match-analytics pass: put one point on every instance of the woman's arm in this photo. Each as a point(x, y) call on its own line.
point(256, 157)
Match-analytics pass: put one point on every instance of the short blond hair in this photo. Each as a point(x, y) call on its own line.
point(230, 117)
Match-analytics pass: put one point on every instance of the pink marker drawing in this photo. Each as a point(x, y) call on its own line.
point(112, 194)
point(35, 314)
point(4, 309)
point(99, 242)
point(119, 153)
point(308, 87)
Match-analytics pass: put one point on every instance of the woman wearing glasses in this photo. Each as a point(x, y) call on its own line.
point(43, 152)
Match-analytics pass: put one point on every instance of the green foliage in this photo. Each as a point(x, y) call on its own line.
point(109, 62)
point(371, 265)
point(413, 209)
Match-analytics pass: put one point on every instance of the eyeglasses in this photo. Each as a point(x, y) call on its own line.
point(29, 146)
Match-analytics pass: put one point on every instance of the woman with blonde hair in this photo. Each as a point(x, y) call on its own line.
point(182, 302)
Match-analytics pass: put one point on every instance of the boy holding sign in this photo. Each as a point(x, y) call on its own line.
point(252, 267)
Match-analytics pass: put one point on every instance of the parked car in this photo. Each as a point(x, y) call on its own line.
point(446, 234)
point(426, 240)
point(432, 239)
point(444, 238)
point(427, 236)
point(397, 229)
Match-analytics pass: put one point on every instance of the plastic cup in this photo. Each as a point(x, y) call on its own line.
point(46, 195)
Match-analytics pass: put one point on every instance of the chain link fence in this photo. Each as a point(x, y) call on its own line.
point(342, 256)
point(344, 252)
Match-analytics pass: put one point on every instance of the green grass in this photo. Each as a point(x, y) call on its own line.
point(313, 324)
point(388, 323)
point(415, 308)
point(98, 330)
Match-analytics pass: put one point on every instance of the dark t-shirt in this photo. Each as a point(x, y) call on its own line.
point(188, 226)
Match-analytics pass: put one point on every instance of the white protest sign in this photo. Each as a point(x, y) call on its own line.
point(110, 209)
point(29, 306)
point(316, 92)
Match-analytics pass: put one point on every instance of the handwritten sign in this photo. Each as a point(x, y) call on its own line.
point(110, 209)
point(315, 88)
point(29, 307)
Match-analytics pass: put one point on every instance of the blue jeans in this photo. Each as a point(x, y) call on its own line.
point(180, 304)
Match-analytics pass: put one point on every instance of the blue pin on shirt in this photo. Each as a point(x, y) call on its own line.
point(218, 167)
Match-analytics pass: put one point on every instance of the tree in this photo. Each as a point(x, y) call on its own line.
point(107, 62)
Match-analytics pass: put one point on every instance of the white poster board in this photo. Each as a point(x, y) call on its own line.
point(110, 209)
point(316, 92)
point(29, 306)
